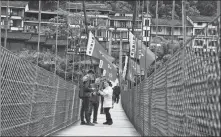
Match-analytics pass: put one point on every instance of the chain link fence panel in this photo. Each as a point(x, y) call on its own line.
point(34, 102)
point(182, 97)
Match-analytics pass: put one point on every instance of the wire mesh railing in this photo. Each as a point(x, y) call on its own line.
point(34, 104)
point(181, 98)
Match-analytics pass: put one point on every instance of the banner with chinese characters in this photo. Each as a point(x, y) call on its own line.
point(132, 42)
point(94, 48)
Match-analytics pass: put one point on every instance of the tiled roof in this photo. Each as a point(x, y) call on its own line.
point(168, 22)
point(15, 3)
point(201, 18)
point(17, 35)
point(122, 18)
point(90, 6)
point(34, 38)
point(53, 42)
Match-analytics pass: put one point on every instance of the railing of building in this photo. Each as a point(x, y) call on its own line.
point(34, 104)
point(181, 98)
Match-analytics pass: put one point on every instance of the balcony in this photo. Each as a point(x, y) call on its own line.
point(35, 20)
point(16, 28)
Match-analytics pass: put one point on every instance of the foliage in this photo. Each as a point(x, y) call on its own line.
point(47, 60)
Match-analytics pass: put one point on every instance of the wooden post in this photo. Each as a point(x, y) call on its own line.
point(184, 21)
point(120, 61)
point(87, 31)
point(110, 43)
point(156, 34)
point(6, 25)
point(173, 10)
point(134, 16)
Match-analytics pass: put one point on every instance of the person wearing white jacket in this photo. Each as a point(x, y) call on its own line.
point(107, 93)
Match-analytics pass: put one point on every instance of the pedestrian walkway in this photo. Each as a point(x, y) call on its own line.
point(121, 126)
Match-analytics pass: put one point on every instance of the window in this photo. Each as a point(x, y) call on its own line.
point(112, 23)
point(146, 33)
point(212, 43)
point(146, 22)
point(123, 24)
point(159, 29)
point(198, 32)
point(199, 42)
point(124, 34)
point(199, 23)
point(14, 12)
point(99, 33)
point(212, 32)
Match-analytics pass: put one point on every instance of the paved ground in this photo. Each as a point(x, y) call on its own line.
point(121, 126)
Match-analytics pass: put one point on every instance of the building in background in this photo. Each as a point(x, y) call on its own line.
point(16, 11)
point(207, 38)
point(31, 21)
point(165, 28)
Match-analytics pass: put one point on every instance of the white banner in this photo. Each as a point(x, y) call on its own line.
point(90, 44)
point(132, 45)
point(125, 67)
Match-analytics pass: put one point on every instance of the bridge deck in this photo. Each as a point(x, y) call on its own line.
point(121, 126)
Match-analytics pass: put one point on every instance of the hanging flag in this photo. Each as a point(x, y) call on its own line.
point(125, 67)
point(110, 71)
point(132, 45)
point(131, 71)
point(144, 54)
point(94, 47)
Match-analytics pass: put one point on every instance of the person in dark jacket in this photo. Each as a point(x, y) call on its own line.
point(85, 103)
point(94, 103)
point(116, 92)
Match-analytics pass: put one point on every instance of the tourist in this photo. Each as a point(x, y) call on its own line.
point(116, 92)
point(107, 93)
point(94, 102)
point(85, 94)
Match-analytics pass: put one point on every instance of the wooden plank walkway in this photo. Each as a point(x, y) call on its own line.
point(121, 126)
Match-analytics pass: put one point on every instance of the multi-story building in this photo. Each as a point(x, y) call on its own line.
point(165, 28)
point(98, 14)
point(31, 20)
point(206, 38)
point(16, 11)
point(121, 24)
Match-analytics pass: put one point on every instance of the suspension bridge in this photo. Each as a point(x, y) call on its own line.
point(181, 98)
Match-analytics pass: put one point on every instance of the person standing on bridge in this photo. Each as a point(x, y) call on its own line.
point(107, 93)
point(94, 101)
point(85, 94)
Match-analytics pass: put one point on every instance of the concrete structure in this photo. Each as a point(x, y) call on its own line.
point(165, 28)
point(16, 13)
point(207, 38)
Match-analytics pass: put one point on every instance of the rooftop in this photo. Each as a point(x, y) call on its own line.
point(53, 42)
point(89, 6)
point(17, 35)
point(34, 38)
point(122, 18)
point(17, 4)
point(201, 18)
point(169, 22)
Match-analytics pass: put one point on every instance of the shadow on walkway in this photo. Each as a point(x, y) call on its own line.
point(121, 126)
